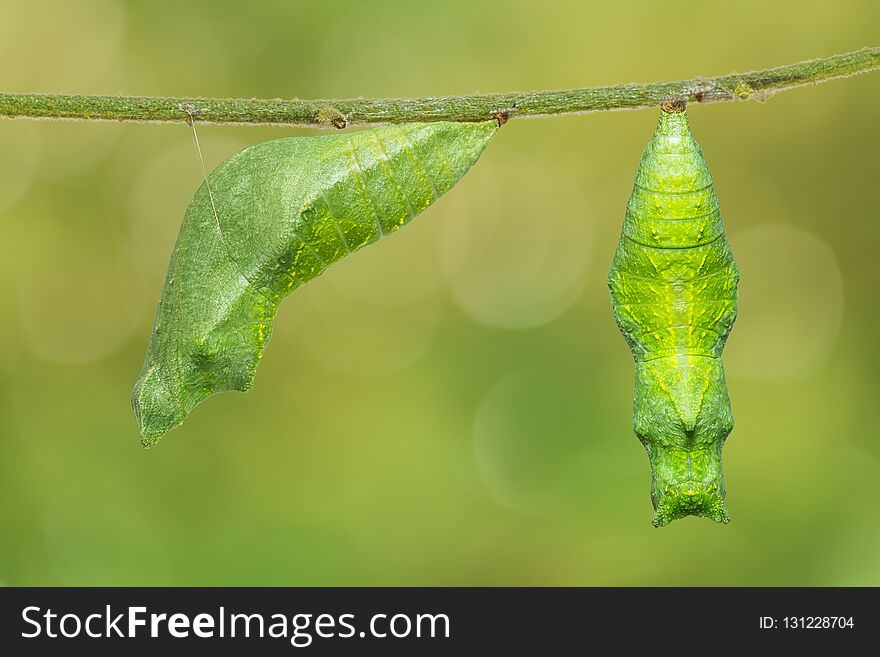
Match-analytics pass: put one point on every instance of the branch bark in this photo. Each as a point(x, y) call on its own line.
point(756, 85)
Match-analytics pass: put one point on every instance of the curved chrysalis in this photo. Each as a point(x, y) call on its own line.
point(267, 220)
point(674, 294)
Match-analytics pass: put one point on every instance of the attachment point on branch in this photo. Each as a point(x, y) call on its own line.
point(502, 116)
point(191, 112)
point(673, 105)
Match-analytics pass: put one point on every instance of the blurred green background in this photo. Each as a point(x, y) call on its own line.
point(489, 442)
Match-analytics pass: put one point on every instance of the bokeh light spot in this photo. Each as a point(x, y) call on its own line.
point(791, 301)
point(512, 251)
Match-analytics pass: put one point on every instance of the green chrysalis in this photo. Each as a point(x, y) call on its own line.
point(267, 220)
point(674, 293)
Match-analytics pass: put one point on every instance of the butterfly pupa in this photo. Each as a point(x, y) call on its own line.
point(267, 220)
point(673, 287)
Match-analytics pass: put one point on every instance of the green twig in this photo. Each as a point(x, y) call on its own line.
point(757, 85)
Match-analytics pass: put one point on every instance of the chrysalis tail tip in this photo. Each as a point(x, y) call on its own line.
point(679, 499)
point(151, 431)
point(705, 506)
point(153, 410)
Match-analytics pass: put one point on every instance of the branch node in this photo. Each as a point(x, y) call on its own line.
point(329, 115)
point(743, 91)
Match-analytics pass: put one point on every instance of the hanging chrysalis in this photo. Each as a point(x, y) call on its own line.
point(266, 221)
point(674, 293)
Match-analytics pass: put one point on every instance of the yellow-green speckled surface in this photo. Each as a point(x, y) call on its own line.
point(674, 293)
